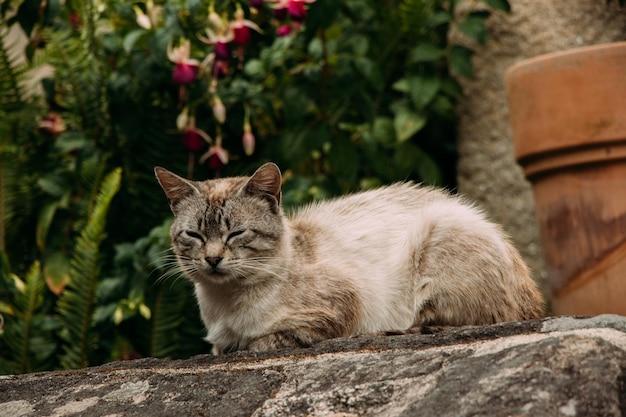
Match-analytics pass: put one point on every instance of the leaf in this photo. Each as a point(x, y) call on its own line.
point(383, 131)
point(46, 215)
point(54, 184)
point(438, 18)
point(410, 158)
point(460, 61)
point(425, 52)
point(474, 26)
point(370, 71)
point(423, 90)
point(56, 272)
point(498, 4)
point(131, 38)
point(407, 123)
point(254, 68)
point(70, 141)
point(343, 158)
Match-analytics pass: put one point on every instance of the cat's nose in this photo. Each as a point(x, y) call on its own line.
point(213, 260)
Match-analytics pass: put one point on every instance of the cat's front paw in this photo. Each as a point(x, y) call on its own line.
point(278, 340)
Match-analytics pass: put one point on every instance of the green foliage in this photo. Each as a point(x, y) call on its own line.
point(28, 334)
point(359, 93)
point(76, 304)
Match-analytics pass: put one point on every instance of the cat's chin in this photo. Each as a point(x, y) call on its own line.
point(215, 278)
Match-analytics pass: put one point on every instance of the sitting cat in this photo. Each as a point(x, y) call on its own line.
point(390, 259)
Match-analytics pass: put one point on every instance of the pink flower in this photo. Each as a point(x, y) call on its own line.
point(186, 69)
point(241, 28)
point(296, 10)
point(194, 138)
point(216, 156)
point(192, 141)
point(221, 37)
point(184, 73)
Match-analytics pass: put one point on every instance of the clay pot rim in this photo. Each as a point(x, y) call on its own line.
point(577, 51)
point(568, 108)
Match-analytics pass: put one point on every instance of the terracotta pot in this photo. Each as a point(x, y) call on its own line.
point(568, 114)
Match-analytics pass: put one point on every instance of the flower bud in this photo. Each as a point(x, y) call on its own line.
point(219, 111)
point(183, 120)
point(283, 30)
point(248, 141)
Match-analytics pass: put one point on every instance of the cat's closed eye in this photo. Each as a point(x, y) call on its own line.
point(194, 235)
point(235, 234)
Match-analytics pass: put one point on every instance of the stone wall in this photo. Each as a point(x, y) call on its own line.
point(565, 366)
point(487, 170)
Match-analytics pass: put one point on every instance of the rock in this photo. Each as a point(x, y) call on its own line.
point(565, 366)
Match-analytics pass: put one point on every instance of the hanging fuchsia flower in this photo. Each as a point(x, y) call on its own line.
point(241, 28)
point(241, 32)
point(294, 8)
point(194, 139)
point(186, 69)
point(222, 37)
point(216, 156)
point(221, 54)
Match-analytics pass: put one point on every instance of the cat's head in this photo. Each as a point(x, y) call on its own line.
point(228, 230)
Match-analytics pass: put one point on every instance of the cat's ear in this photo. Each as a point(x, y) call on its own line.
point(176, 188)
point(266, 181)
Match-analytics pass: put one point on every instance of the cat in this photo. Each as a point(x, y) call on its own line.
point(392, 259)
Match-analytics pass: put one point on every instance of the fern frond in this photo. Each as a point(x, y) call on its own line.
point(11, 70)
point(77, 303)
point(168, 314)
point(19, 328)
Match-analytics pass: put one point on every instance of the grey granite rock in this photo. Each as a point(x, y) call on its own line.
point(565, 366)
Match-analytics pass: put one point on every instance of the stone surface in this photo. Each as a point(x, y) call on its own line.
point(487, 170)
point(566, 366)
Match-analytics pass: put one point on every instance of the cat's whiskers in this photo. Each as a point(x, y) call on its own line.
point(256, 265)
